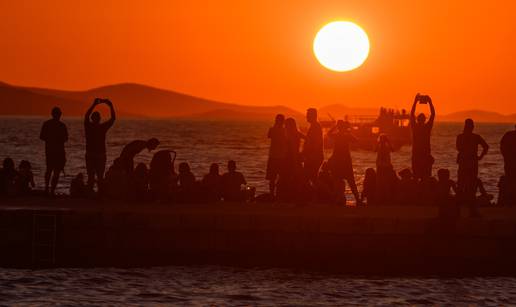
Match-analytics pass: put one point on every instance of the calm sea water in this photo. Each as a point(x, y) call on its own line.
point(201, 143)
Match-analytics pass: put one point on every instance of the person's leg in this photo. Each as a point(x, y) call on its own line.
point(48, 173)
point(100, 167)
point(54, 181)
point(90, 171)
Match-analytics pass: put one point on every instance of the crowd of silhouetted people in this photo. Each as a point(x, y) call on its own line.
point(296, 168)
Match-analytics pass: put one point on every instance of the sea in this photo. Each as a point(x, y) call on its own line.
point(201, 143)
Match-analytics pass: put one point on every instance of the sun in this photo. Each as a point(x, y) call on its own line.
point(341, 46)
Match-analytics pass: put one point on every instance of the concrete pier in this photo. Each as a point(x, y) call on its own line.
point(377, 240)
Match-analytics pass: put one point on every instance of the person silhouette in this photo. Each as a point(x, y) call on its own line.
point(422, 159)
point(290, 182)
point(385, 175)
point(212, 184)
point(467, 158)
point(162, 175)
point(508, 150)
point(340, 161)
point(277, 153)
point(55, 134)
point(132, 149)
point(445, 199)
point(8, 176)
point(232, 182)
point(95, 133)
point(25, 179)
point(313, 152)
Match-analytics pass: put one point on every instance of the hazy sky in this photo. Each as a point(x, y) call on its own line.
point(260, 52)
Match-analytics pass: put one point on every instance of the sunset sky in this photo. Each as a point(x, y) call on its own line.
point(462, 53)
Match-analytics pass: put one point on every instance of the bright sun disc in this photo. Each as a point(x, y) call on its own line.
point(341, 46)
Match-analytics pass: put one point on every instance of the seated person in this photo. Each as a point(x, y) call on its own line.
point(212, 184)
point(162, 176)
point(427, 189)
point(407, 188)
point(369, 190)
point(232, 182)
point(187, 184)
point(116, 181)
point(78, 188)
point(25, 179)
point(8, 176)
point(325, 185)
point(446, 201)
point(139, 183)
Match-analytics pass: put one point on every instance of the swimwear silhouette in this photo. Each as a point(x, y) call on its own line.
point(55, 135)
point(95, 133)
point(422, 159)
point(467, 158)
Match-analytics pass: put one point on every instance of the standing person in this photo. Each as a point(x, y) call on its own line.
point(132, 149)
point(277, 152)
point(422, 159)
point(507, 184)
point(508, 149)
point(291, 180)
point(467, 158)
point(385, 175)
point(95, 133)
point(340, 162)
point(313, 153)
point(55, 135)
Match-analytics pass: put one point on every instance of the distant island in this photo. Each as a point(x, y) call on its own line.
point(141, 101)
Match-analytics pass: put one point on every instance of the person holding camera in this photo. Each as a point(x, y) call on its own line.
point(95, 133)
point(422, 159)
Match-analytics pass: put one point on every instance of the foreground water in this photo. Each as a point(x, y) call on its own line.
point(201, 143)
point(230, 286)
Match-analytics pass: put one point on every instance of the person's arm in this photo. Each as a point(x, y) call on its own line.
point(485, 147)
point(89, 111)
point(413, 111)
point(112, 116)
point(43, 132)
point(432, 112)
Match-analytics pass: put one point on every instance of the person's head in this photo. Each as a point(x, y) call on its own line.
point(184, 168)
point(405, 174)
point(290, 125)
point(279, 120)
point(95, 117)
point(8, 164)
point(214, 169)
point(232, 166)
point(152, 144)
point(443, 174)
point(370, 174)
point(24, 165)
point(469, 125)
point(311, 115)
point(56, 113)
point(140, 170)
point(421, 118)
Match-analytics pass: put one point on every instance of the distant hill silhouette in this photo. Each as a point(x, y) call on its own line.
point(136, 100)
point(130, 99)
point(478, 116)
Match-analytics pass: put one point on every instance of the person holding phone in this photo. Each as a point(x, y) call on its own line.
point(422, 160)
point(95, 133)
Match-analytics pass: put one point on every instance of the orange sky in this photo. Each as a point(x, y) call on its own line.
point(463, 53)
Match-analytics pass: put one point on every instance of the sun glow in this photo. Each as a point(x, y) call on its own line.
point(341, 46)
